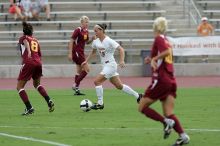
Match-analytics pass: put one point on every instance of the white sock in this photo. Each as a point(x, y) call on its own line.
point(99, 93)
point(130, 91)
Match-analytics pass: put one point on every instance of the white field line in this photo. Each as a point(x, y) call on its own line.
point(147, 129)
point(32, 139)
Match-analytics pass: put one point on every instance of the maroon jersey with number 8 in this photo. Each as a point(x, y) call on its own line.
point(31, 66)
point(34, 47)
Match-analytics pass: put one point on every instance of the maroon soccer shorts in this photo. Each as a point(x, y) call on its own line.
point(30, 70)
point(78, 58)
point(161, 90)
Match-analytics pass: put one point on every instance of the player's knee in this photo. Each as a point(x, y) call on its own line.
point(140, 109)
point(97, 83)
point(35, 85)
point(118, 86)
point(18, 88)
point(143, 108)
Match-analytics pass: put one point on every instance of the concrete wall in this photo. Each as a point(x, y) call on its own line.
point(63, 70)
point(197, 69)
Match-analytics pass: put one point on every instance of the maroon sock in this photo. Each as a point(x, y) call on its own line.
point(177, 127)
point(76, 77)
point(80, 78)
point(43, 93)
point(152, 114)
point(22, 93)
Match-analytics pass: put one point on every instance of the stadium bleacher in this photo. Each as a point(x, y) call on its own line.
point(208, 3)
point(129, 22)
point(210, 9)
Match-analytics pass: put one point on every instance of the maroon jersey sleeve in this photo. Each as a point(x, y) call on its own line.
point(21, 39)
point(75, 33)
point(161, 44)
point(154, 49)
point(22, 48)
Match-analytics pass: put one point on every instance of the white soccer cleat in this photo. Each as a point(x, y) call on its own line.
point(182, 140)
point(169, 123)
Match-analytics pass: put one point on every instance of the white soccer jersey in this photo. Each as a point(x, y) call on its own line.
point(106, 49)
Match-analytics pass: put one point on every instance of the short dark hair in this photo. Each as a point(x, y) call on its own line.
point(27, 28)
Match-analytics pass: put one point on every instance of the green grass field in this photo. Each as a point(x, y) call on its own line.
point(119, 124)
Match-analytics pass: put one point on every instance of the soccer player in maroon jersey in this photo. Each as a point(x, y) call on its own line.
point(163, 86)
point(76, 54)
point(31, 68)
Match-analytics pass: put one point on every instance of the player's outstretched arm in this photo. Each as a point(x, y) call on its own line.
point(93, 53)
point(70, 46)
point(122, 57)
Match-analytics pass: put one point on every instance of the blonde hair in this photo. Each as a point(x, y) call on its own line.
point(84, 18)
point(160, 25)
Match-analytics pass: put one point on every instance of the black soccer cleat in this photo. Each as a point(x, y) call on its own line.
point(77, 91)
point(28, 112)
point(97, 106)
point(139, 98)
point(182, 140)
point(51, 106)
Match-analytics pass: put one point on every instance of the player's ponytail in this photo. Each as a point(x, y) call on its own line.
point(27, 28)
point(104, 26)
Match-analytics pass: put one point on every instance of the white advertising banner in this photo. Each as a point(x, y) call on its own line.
point(188, 46)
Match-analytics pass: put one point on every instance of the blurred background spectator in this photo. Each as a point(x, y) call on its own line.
point(15, 9)
point(205, 29)
point(26, 7)
point(41, 6)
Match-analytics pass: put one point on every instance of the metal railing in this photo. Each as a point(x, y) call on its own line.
point(191, 11)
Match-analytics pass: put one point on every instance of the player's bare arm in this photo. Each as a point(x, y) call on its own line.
point(122, 57)
point(159, 56)
point(70, 45)
point(93, 53)
point(90, 41)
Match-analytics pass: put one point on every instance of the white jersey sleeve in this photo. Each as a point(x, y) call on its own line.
point(114, 44)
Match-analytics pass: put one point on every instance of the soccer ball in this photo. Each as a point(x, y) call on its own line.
point(85, 105)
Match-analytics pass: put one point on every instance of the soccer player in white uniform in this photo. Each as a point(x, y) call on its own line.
point(105, 46)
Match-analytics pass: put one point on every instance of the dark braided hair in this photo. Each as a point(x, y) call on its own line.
point(27, 28)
